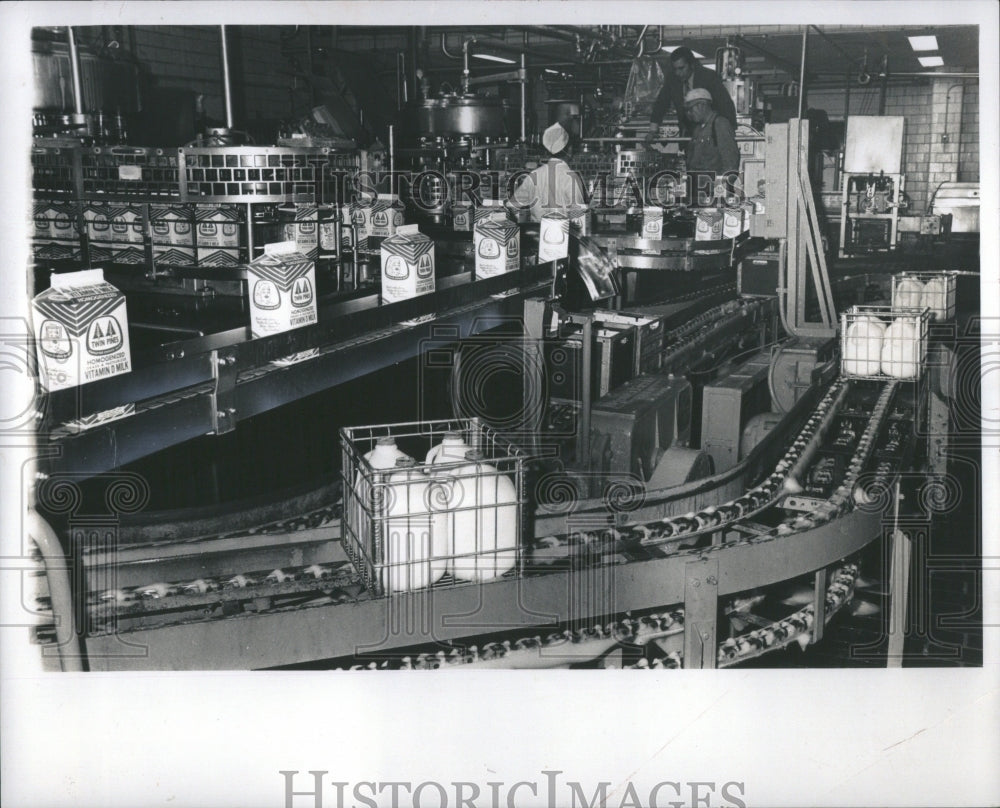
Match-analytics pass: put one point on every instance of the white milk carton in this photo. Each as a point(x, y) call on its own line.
point(579, 220)
point(492, 209)
point(732, 222)
point(498, 248)
point(461, 217)
point(553, 237)
point(652, 222)
point(81, 330)
point(385, 216)
point(282, 288)
point(407, 264)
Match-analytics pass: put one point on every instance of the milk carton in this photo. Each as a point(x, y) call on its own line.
point(385, 216)
point(652, 222)
point(172, 225)
point(579, 220)
point(461, 217)
point(732, 222)
point(304, 231)
point(498, 248)
point(708, 224)
point(491, 209)
point(218, 226)
point(281, 284)
point(81, 330)
point(553, 237)
point(407, 264)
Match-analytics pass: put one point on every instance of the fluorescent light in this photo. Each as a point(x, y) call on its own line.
point(931, 61)
point(710, 66)
point(489, 58)
point(923, 43)
point(672, 48)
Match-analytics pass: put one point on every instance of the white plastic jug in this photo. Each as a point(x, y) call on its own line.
point(908, 293)
point(482, 520)
point(863, 346)
point(407, 532)
point(899, 349)
point(451, 449)
point(935, 298)
point(383, 456)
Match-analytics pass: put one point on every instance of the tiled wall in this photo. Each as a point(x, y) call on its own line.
point(941, 134)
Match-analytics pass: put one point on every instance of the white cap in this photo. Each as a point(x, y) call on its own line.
point(698, 94)
point(555, 138)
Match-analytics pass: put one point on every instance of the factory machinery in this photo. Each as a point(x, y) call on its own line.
point(691, 442)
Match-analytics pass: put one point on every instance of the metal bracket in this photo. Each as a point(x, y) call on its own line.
point(224, 392)
point(701, 600)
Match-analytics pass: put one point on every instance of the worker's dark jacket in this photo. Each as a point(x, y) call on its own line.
point(713, 147)
point(672, 94)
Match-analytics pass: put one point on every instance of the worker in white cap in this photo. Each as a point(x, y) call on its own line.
point(553, 185)
point(712, 148)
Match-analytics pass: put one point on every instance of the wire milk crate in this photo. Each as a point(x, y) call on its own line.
point(883, 342)
point(432, 503)
point(932, 290)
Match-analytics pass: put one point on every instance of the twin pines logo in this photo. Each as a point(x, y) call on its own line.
point(302, 293)
point(425, 266)
point(104, 336)
point(380, 219)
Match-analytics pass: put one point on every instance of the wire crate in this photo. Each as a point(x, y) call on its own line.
point(442, 517)
point(932, 290)
point(883, 342)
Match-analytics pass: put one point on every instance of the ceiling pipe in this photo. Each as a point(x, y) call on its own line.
point(74, 67)
point(487, 44)
point(226, 83)
point(850, 59)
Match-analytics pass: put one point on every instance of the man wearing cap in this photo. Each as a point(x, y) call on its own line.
point(553, 185)
point(713, 142)
point(688, 74)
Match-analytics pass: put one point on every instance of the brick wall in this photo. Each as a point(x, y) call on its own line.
point(941, 134)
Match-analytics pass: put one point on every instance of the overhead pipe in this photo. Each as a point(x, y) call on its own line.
point(74, 66)
point(226, 87)
point(488, 44)
point(851, 60)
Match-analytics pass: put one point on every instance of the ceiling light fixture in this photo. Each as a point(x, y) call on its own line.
point(923, 43)
point(931, 61)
